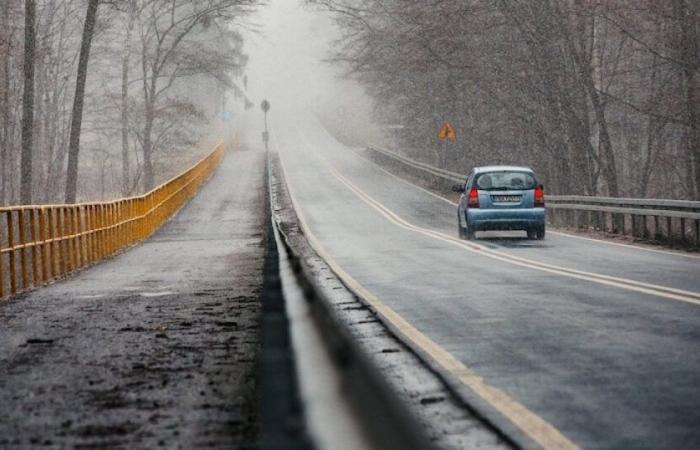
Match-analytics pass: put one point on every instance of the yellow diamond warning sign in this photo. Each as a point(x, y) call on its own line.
point(447, 132)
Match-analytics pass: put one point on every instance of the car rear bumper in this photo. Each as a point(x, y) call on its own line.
point(505, 219)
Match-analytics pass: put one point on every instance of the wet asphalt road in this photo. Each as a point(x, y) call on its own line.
point(153, 348)
point(608, 367)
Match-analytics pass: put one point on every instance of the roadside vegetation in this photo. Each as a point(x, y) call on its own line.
point(102, 98)
point(601, 97)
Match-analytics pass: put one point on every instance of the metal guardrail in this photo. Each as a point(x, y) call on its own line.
point(382, 415)
point(41, 243)
point(442, 173)
point(605, 213)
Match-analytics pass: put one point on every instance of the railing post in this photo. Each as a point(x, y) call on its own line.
point(84, 234)
point(44, 247)
point(35, 250)
point(76, 237)
point(111, 234)
point(12, 257)
point(70, 237)
point(55, 251)
point(103, 230)
point(23, 250)
point(108, 230)
point(90, 218)
point(60, 242)
point(2, 258)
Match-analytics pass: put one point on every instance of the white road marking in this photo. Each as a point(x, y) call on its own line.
point(559, 233)
point(536, 428)
point(646, 288)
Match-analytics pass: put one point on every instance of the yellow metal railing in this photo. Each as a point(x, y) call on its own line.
point(42, 243)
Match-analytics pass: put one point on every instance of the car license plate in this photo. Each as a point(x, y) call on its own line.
point(507, 198)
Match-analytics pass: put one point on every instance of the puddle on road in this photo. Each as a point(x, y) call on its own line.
point(156, 294)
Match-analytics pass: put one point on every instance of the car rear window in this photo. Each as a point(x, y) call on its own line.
point(505, 180)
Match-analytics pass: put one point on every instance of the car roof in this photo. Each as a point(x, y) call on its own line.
point(502, 168)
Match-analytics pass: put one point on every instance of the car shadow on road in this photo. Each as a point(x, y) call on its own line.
point(511, 240)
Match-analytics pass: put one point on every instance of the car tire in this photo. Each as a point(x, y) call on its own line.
point(465, 233)
point(540, 232)
point(469, 233)
point(531, 233)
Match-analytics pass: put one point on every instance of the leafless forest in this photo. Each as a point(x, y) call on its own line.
point(600, 96)
point(103, 98)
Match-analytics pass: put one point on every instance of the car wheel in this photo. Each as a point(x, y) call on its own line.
point(540, 232)
point(531, 233)
point(469, 233)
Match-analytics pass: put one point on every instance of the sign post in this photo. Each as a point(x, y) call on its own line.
point(446, 133)
point(265, 106)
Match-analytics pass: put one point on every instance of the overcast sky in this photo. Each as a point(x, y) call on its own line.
point(286, 59)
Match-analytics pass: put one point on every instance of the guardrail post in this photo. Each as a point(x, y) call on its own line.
point(682, 229)
point(697, 232)
point(657, 234)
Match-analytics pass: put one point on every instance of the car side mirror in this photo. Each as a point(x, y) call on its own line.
point(458, 187)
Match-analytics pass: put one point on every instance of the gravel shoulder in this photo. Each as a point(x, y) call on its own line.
point(154, 347)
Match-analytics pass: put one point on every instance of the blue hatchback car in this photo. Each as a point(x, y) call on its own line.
point(501, 198)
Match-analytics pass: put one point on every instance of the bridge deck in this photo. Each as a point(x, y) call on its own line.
point(163, 334)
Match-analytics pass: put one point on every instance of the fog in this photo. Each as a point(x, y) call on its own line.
point(288, 65)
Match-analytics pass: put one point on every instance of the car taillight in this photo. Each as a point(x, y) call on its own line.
point(474, 198)
point(539, 197)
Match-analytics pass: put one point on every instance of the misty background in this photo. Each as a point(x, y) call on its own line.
point(599, 97)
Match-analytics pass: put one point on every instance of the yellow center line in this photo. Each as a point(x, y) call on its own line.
point(560, 233)
point(645, 288)
point(533, 426)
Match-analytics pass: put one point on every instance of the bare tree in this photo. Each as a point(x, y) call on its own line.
point(77, 116)
point(28, 102)
point(167, 57)
point(599, 96)
point(50, 108)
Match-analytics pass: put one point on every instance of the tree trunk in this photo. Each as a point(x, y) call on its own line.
point(689, 52)
point(4, 106)
point(77, 115)
point(28, 102)
point(126, 183)
point(148, 176)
